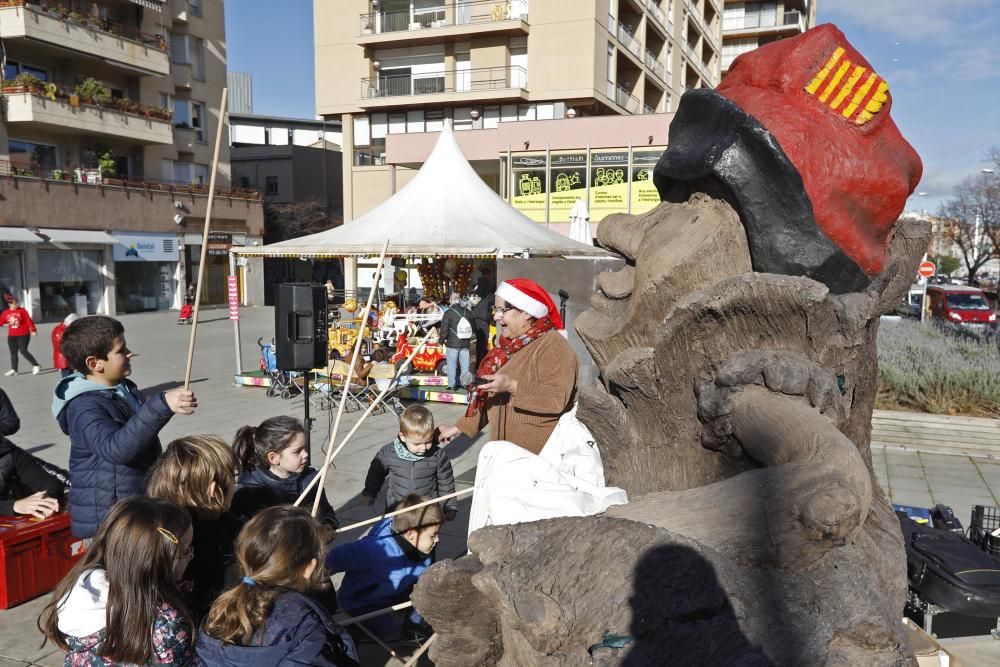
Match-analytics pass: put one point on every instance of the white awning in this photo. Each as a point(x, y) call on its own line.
point(155, 5)
point(76, 236)
point(18, 234)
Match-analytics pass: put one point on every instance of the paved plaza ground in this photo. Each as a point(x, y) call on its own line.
point(911, 478)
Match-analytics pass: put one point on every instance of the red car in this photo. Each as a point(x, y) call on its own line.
point(962, 305)
point(431, 359)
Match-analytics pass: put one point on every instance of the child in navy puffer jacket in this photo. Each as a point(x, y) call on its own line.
point(268, 620)
point(113, 430)
point(275, 470)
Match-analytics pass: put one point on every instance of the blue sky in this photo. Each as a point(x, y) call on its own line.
point(939, 56)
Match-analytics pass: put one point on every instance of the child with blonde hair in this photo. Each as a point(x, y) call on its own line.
point(120, 604)
point(198, 473)
point(268, 618)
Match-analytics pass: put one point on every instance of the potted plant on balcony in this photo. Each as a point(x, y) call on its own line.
point(24, 83)
point(91, 91)
point(107, 164)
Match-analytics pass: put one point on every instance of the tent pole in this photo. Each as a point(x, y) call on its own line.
point(548, 183)
point(236, 320)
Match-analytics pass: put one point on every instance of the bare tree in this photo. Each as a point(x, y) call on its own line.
point(295, 219)
point(973, 215)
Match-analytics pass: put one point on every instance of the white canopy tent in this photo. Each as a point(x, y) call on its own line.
point(446, 210)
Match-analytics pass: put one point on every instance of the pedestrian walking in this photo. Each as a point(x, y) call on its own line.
point(19, 327)
point(456, 334)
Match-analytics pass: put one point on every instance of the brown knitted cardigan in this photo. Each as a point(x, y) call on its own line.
point(546, 373)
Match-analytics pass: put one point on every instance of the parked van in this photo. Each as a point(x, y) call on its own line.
point(960, 304)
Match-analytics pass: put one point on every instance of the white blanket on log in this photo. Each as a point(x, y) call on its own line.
point(565, 479)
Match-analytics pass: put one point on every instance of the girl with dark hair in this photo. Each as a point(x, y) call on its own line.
point(274, 464)
point(120, 605)
point(268, 619)
point(197, 472)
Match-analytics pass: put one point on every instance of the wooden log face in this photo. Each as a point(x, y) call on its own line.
point(735, 408)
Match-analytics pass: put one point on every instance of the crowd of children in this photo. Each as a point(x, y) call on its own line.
point(195, 553)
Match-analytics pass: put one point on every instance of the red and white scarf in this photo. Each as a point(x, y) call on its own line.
point(500, 355)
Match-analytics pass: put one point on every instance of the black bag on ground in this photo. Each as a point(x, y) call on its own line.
point(949, 570)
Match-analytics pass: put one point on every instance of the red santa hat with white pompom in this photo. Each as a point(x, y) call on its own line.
point(529, 296)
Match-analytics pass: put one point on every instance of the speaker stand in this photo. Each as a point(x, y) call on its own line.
point(306, 420)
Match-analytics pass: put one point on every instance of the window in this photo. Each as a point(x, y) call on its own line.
point(414, 121)
point(189, 50)
point(198, 120)
point(12, 68)
point(244, 182)
point(183, 172)
point(182, 115)
point(194, 6)
point(435, 120)
point(38, 158)
point(201, 174)
point(271, 185)
point(166, 100)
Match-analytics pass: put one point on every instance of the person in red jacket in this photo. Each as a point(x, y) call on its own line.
point(19, 325)
point(58, 358)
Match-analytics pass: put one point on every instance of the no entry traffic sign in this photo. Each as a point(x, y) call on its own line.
point(926, 269)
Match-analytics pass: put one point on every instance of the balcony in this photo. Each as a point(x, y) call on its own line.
point(653, 63)
point(657, 13)
point(56, 110)
point(789, 23)
point(33, 201)
point(110, 41)
point(626, 100)
point(182, 75)
point(481, 84)
point(629, 41)
point(404, 27)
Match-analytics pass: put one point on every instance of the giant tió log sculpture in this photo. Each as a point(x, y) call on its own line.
point(738, 370)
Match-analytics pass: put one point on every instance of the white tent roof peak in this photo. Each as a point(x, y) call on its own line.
point(445, 209)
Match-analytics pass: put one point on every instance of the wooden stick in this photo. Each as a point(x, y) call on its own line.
point(373, 614)
point(204, 241)
point(361, 626)
point(371, 408)
point(420, 651)
point(376, 519)
point(347, 381)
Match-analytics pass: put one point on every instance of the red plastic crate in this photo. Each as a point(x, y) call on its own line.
point(34, 555)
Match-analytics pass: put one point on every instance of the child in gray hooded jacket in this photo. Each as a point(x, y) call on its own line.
point(413, 463)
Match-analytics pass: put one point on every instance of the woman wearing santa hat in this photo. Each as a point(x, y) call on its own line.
point(531, 374)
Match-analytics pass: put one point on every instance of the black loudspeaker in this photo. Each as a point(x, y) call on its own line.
point(300, 342)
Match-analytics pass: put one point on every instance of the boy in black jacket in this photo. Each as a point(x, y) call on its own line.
point(413, 463)
point(28, 485)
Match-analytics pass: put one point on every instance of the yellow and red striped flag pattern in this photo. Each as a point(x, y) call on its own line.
point(855, 91)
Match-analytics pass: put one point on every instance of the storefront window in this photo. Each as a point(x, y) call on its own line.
point(70, 282)
point(144, 286)
point(11, 274)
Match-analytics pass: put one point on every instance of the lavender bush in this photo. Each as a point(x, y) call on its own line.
point(937, 369)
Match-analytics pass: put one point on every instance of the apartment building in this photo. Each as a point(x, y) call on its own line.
point(747, 25)
point(529, 85)
point(110, 109)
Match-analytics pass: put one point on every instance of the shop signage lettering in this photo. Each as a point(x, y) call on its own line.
point(144, 247)
point(219, 243)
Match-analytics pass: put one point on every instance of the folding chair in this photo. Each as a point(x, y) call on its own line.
point(384, 376)
point(331, 386)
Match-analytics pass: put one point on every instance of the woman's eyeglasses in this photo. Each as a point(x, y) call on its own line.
point(498, 310)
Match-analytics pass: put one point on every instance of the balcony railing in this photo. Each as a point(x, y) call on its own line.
point(111, 40)
point(758, 22)
point(450, 81)
point(92, 176)
point(56, 93)
point(653, 63)
point(795, 18)
point(626, 100)
point(629, 41)
point(657, 13)
point(443, 16)
point(648, 109)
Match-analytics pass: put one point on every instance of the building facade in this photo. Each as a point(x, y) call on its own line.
point(519, 80)
point(747, 25)
point(109, 112)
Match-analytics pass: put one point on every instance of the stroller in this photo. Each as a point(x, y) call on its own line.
point(282, 382)
point(186, 314)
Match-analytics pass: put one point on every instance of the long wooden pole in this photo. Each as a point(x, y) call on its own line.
point(374, 637)
point(420, 651)
point(371, 408)
point(373, 614)
point(376, 519)
point(204, 239)
point(321, 478)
